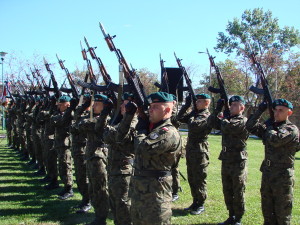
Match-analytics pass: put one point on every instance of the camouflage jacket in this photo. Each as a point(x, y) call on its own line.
point(281, 141)
point(234, 136)
point(159, 149)
point(94, 144)
point(199, 130)
point(61, 122)
point(78, 136)
point(121, 146)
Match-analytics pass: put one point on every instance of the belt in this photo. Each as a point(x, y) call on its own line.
point(152, 173)
point(226, 149)
point(269, 163)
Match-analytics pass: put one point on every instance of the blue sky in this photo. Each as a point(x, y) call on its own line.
point(144, 29)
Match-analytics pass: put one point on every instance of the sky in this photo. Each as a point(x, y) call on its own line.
point(143, 29)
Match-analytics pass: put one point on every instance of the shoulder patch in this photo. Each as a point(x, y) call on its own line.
point(165, 128)
point(153, 136)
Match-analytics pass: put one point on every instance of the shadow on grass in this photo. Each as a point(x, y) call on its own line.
point(297, 158)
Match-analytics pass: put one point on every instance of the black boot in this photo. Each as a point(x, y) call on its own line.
point(229, 221)
point(192, 206)
point(40, 172)
point(46, 179)
point(175, 197)
point(84, 208)
point(66, 193)
point(198, 209)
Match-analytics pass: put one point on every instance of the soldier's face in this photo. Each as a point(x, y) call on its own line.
point(158, 112)
point(63, 106)
point(236, 108)
point(123, 110)
point(281, 113)
point(98, 107)
point(202, 104)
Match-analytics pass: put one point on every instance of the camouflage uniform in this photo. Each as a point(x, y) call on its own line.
point(96, 161)
point(156, 154)
point(281, 142)
point(49, 153)
point(8, 125)
point(15, 138)
point(28, 125)
point(121, 156)
point(36, 137)
point(234, 161)
point(62, 121)
point(197, 153)
point(78, 139)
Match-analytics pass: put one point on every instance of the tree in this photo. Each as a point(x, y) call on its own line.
point(148, 79)
point(258, 31)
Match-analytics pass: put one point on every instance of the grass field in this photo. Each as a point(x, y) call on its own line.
point(23, 200)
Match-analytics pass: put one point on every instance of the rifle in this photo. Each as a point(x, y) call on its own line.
point(55, 85)
point(43, 81)
point(222, 89)
point(70, 78)
point(187, 80)
point(163, 86)
point(265, 91)
point(10, 95)
point(106, 77)
point(130, 75)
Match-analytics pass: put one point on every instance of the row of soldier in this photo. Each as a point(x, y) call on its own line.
point(126, 165)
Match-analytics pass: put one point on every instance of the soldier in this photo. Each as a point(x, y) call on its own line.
point(157, 146)
point(8, 124)
point(96, 160)
point(78, 140)
point(121, 155)
point(62, 122)
point(281, 140)
point(197, 153)
point(233, 156)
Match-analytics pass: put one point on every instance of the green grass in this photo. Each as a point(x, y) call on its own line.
point(23, 200)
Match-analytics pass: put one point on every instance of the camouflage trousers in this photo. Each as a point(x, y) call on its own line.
point(120, 202)
point(8, 134)
point(97, 174)
point(50, 158)
point(176, 180)
point(151, 200)
point(197, 163)
point(37, 145)
point(29, 144)
point(234, 176)
point(65, 166)
point(15, 139)
point(277, 195)
point(22, 140)
point(78, 154)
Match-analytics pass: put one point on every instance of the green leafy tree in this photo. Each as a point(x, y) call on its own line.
point(260, 32)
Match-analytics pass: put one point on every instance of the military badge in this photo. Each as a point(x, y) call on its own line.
point(153, 136)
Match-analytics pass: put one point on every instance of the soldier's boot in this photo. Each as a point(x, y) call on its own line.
point(40, 172)
point(32, 161)
point(66, 193)
point(84, 208)
point(198, 209)
point(192, 206)
point(229, 221)
point(52, 185)
point(25, 157)
point(175, 197)
point(35, 166)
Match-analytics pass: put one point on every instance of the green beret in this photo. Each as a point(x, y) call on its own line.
point(237, 98)
point(202, 96)
point(160, 97)
point(86, 95)
point(99, 98)
point(282, 102)
point(37, 98)
point(174, 97)
point(127, 96)
point(64, 98)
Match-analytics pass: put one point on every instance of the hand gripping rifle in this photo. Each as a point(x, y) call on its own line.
point(69, 77)
point(106, 77)
point(130, 75)
point(265, 91)
point(43, 81)
point(187, 80)
point(55, 85)
point(222, 89)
